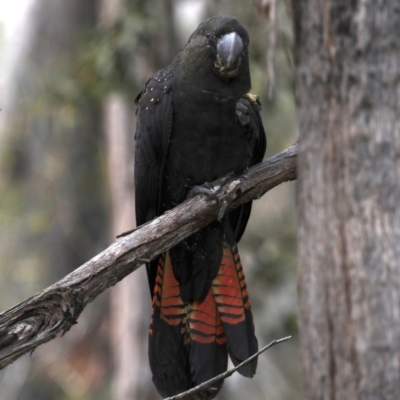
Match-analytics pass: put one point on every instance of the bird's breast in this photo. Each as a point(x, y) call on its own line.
point(207, 142)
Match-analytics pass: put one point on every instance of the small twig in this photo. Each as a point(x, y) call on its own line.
point(143, 260)
point(226, 374)
point(222, 210)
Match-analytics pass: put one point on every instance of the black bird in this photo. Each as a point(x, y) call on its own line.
point(196, 122)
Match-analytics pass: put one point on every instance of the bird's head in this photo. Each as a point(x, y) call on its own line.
point(224, 41)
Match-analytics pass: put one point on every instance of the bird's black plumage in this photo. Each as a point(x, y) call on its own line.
point(195, 123)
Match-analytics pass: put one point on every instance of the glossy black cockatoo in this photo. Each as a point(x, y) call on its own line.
point(196, 122)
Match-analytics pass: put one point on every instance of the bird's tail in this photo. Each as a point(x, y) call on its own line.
point(232, 299)
point(189, 343)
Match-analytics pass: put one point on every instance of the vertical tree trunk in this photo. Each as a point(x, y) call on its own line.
point(126, 298)
point(348, 97)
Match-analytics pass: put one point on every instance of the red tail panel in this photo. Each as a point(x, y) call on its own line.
point(205, 322)
point(227, 290)
point(168, 353)
point(167, 294)
point(208, 352)
point(242, 280)
point(232, 299)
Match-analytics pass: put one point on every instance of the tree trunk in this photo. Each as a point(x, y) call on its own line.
point(127, 305)
point(126, 298)
point(347, 87)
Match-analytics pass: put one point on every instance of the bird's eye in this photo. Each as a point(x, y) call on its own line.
point(208, 34)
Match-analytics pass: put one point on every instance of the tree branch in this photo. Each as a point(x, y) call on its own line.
point(55, 309)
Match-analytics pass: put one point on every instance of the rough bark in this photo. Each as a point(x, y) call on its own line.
point(54, 310)
point(347, 88)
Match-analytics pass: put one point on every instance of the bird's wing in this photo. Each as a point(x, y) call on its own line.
point(260, 138)
point(238, 218)
point(154, 119)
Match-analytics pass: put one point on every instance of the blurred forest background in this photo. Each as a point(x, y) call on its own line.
point(69, 73)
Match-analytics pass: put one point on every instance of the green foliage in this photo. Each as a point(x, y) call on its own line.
point(111, 56)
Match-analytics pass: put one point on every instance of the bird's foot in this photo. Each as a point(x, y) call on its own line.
point(206, 189)
point(254, 100)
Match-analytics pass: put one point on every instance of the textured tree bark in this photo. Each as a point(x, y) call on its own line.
point(348, 97)
point(55, 309)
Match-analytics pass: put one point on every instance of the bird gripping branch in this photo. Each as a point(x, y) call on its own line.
point(196, 122)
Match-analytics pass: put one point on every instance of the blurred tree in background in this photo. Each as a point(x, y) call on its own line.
point(71, 93)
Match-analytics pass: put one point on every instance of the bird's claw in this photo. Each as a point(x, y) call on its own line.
point(252, 98)
point(206, 189)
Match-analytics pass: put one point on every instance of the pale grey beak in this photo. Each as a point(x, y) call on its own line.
point(229, 50)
